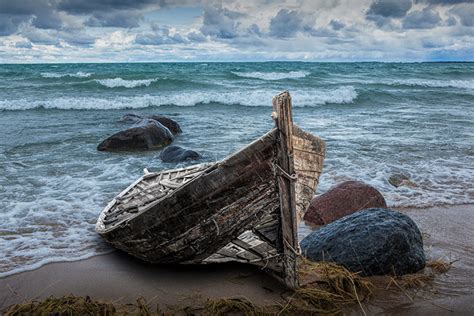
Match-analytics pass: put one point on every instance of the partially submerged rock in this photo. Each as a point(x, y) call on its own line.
point(178, 154)
point(399, 179)
point(342, 200)
point(146, 135)
point(172, 125)
point(373, 242)
point(130, 118)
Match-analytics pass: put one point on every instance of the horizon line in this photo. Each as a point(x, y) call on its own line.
point(236, 61)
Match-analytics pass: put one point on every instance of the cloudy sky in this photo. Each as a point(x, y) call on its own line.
point(209, 30)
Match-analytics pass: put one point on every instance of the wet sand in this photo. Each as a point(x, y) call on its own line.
point(448, 233)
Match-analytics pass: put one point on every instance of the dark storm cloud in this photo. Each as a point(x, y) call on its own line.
point(9, 23)
point(44, 14)
point(444, 2)
point(41, 13)
point(287, 23)
point(389, 8)
point(41, 37)
point(381, 12)
point(78, 38)
point(86, 7)
point(123, 19)
point(465, 12)
point(425, 19)
point(220, 22)
point(336, 25)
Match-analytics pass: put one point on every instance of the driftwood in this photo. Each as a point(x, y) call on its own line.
point(244, 208)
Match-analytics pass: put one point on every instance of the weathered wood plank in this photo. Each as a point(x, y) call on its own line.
point(286, 188)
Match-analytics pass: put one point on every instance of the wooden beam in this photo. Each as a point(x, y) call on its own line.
point(285, 169)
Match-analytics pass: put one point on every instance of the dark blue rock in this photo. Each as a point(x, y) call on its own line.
point(177, 154)
point(373, 241)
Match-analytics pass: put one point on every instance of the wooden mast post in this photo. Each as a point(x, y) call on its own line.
point(285, 170)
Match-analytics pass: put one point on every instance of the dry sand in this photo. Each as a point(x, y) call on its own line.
point(448, 233)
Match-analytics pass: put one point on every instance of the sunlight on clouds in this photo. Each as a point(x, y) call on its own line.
point(117, 39)
point(326, 30)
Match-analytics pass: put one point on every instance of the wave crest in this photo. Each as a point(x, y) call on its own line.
point(460, 84)
point(54, 75)
point(122, 83)
point(258, 97)
point(272, 75)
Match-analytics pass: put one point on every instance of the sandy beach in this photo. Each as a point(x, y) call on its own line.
point(119, 278)
point(157, 157)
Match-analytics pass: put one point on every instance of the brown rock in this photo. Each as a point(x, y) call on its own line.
point(341, 200)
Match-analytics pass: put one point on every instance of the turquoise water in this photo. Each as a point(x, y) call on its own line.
point(377, 119)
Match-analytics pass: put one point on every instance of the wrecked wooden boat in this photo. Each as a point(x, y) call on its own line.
point(244, 208)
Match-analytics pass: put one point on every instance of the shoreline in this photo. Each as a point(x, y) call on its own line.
point(120, 278)
point(112, 250)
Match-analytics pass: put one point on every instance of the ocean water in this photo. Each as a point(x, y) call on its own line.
point(377, 119)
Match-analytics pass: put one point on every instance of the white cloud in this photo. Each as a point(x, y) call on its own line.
point(387, 30)
point(117, 39)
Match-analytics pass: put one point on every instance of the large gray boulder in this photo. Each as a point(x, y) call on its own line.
point(178, 154)
point(373, 241)
point(145, 135)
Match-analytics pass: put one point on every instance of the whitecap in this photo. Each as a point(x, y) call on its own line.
point(460, 84)
point(272, 75)
point(428, 83)
point(55, 75)
point(119, 82)
point(257, 97)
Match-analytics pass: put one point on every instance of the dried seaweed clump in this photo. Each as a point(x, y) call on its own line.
point(66, 305)
point(440, 265)
point(422, 279)
point(235, 306)
point(76, 305)
point(327, 287)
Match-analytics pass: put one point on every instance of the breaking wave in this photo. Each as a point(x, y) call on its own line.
point(55, 75)
point(426, 83)
point(272, 75)
point(119, 83)
point(258, 97)
point(460, 84)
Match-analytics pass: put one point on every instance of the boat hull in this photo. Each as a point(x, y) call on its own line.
point(244, 208)
point(199, 218)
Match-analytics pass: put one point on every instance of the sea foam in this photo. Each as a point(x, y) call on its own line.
point(425, 83)
point(460, 84)
point(257, 97)
point(272, 75)
point(55, 75)
point(119, 82)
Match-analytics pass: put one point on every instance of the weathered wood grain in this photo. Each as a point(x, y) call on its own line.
point(287, 243)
